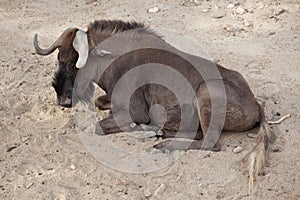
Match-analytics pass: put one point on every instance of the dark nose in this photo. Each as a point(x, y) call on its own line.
point(66, 102)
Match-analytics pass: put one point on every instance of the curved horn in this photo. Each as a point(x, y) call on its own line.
point(55, 45)
point(81, 45)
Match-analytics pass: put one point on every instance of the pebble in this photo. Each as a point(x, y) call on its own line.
point(123, 182)
point(147, 192)
point(205, 10)
point(272, 33)
point(29, 185)
point(250, 10)
point(247, 23)
point(155, 151)
point(24, 139)
point(153, 10)
point(252, 135)
point(2, 175)
point(196, 2)
point(218, 14)
point(231, 5)
point(236, 3)
point(160, 189)
point(237, 149)
point(160, 133)
point(73, 167)
point(278, 11)
point(230, 28)
point(132, 125)
point(239, 10)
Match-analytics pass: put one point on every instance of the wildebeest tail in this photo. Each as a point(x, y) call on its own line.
point(255, 160)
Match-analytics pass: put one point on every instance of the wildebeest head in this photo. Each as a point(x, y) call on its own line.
point(73, 45)
point(73, 51)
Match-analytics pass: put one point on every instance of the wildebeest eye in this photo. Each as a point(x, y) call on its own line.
point(72, 63)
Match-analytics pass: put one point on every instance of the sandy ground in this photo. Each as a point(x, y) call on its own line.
point(41, 154)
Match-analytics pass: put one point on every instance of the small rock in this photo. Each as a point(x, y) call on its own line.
point(73, 167)
point(250, 10)
point(160, 189)
point(132, 125)
point(272, 33)
point(230, 29)
point(218, 14)
point(278, 114)
point(2, 175)
point(278, 11)
point(150, 139)
point(155, 151)
point(247, 23)
point(196, 2)
point(24, 139)
point(123, 182)
point(29, 185)
point(239, 10)
point(147, 192)
point(236, 3)
point(153, 10)
point(160, 133)
point(205, 10)
point(252, 135)
point(231, 5)
point(237, 149)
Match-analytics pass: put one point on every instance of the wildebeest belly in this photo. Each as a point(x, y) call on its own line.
point(170, 110)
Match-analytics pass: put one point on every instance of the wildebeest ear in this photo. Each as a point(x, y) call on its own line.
point(81, 45)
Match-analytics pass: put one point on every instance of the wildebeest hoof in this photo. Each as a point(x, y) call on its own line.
point(171, 145)
point(217, 147)
point(98, 130)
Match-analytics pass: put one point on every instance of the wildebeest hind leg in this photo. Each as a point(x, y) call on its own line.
point(211, 124)
point(171, 145)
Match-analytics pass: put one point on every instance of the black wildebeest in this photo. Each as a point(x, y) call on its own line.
point(242, 110)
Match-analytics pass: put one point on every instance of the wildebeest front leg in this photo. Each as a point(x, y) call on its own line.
point(109, 125)
point(119, 122)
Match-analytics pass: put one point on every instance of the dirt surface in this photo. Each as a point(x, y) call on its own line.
point(41, 154)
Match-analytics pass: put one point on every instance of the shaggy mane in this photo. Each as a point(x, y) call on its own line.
point(114, 26)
